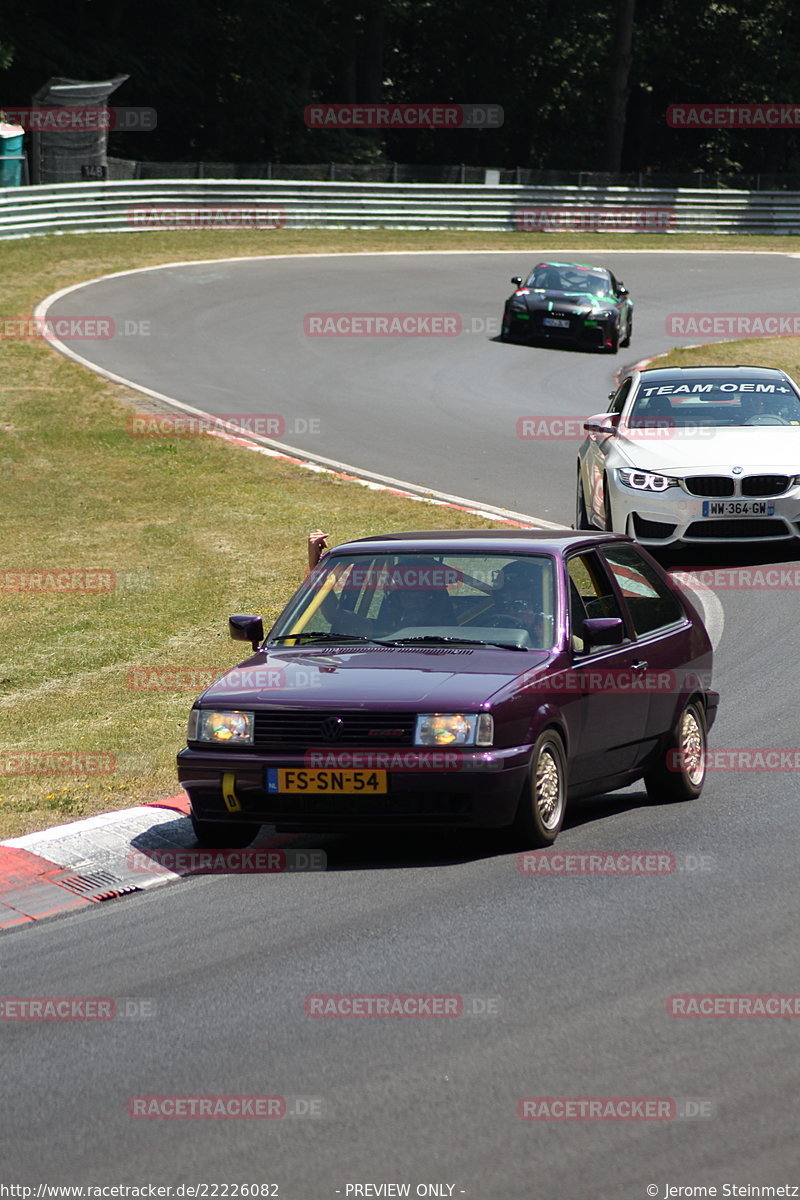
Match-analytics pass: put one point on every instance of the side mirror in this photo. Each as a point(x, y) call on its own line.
point(603, 423)
point(517, 279)
point(246, 628)
point(602, 631)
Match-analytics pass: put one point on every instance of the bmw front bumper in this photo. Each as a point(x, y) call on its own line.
point(674, 515)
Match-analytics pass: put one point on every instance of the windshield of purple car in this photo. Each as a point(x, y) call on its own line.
point(697, 402)
point(569, 279)
point(492, 598)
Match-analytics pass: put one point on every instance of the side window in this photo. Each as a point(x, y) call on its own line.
point(618, 403)
point(651, 602)
point(590, 595)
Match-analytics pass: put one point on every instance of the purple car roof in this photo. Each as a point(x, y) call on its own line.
point(516, 541)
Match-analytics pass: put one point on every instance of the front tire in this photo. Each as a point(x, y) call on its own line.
point(223, 835)
point(612, 344)
point(608, 519)
point(626, 341)
point(681, 771)
point(581, 516)
point(543, 803)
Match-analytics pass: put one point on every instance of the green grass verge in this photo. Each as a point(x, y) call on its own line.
point(191, 528)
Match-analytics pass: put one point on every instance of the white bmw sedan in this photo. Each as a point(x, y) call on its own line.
point(694, 454)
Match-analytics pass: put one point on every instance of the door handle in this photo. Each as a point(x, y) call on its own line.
point(639, 666)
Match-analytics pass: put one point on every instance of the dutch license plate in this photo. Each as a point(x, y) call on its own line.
point(738, 508)
point(555, 322)
point(303, 781)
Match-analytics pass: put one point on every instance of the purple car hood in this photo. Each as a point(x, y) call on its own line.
point(358, 677)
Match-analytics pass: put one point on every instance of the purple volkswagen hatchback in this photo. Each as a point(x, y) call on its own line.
point(455, 678)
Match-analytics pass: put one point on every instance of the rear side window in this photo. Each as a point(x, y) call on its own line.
point(590, 595)
point(651, 602)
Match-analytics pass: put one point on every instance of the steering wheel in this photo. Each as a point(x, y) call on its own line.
point(766, 419)
point(503, 621)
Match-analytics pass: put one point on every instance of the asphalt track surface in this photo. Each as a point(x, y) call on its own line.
point(582, 966)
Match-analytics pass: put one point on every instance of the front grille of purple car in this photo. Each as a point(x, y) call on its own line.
point(282, 729)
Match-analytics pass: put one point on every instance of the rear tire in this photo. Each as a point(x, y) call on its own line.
point(223, 835)
point(681, 772)
point(543, 803)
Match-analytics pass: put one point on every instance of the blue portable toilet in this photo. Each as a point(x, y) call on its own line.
point(11, 157)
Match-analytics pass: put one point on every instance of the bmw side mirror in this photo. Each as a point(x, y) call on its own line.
point(604, 423)
point(517, 279)
point(623, 291)
point(246, 628)
point(602, 631)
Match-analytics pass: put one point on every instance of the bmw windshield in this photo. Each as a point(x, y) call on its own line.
point(687, 402)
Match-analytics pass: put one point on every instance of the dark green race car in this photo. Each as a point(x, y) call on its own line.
point(570, 302)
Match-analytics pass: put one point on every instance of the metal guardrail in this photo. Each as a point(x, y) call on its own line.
point(112, 206)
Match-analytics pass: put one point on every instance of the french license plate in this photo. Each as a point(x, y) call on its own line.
point(555, 322)
point(302, 781)
point(738, 508)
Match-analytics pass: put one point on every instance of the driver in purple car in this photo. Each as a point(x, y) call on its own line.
point(516, 594)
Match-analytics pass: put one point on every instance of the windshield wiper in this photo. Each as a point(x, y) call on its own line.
point(438, 639)
point(318, 636)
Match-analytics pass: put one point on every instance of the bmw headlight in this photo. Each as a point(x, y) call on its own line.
point(646, 481)
point(454, 729)
point(222, 728)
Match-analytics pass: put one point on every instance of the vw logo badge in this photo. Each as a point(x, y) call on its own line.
point(737, 470)
point(332, 728)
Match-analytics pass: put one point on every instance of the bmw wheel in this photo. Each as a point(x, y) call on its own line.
point(581, 516)
point(608, 518)
point(543, 802)
point(681, 771)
